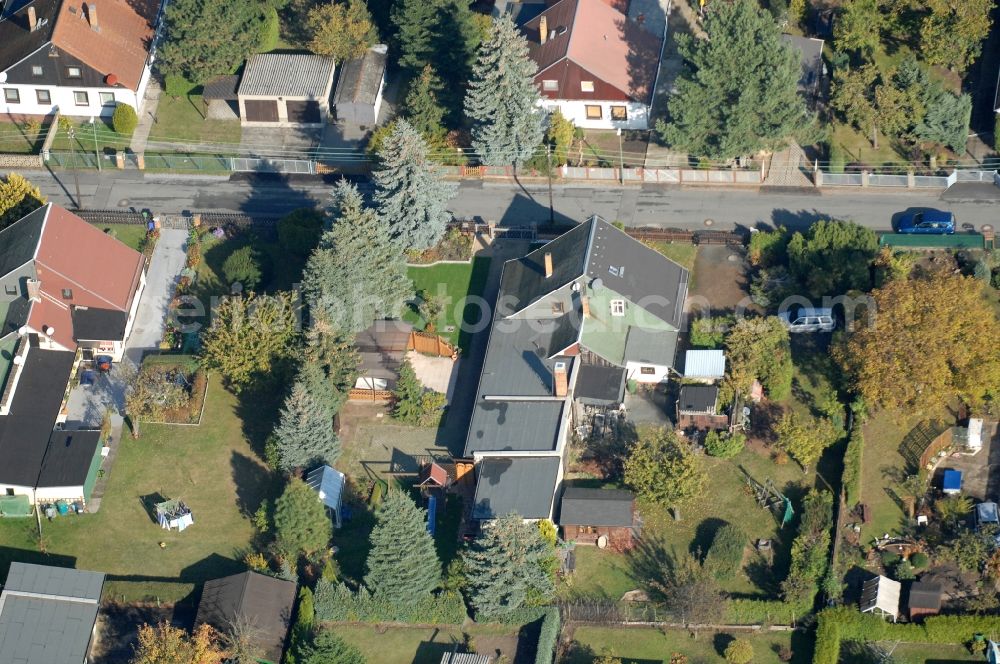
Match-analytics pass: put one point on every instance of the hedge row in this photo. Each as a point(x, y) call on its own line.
point(847, 624)
point(548, 638)
point(336, 603)
point(763, 612)
point(852, 465)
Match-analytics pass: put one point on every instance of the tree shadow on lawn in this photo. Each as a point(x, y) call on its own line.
point(721, 641)
point(704, 535)
point(258, 406)
point(254, 483)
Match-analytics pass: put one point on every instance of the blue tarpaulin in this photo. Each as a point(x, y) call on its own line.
point(952, 481)
point(432, 502)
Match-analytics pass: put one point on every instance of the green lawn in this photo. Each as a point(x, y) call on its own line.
point(923, 653)
point(211, 468)
point(881, 457)
point(452, 282)
point(420, 645)
point(858, 147)
point(182, 118)
point(90, 137)
point(647, 645)
point(15, 139)
point(129, 234)
point(680, 253)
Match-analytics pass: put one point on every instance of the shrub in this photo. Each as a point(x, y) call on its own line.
point(852, 465)
point(837, 158)
point(710, 332)
point(335, 603)
point(299, 231)
point(124, 119)
point(768, 248)
point(269, 31)
point(548, 637)
point(889, 558)
point(243, 266)
point(903, 571)
point(724, 445)
point(762, 611)
point(739, 651)
point(725, 555)
point(919, 560)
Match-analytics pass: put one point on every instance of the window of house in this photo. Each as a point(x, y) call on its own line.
point(43, 96)
point(10, 289)
point(647, 371)
point(10, 492)
point(107, 99)
point(81, 98)
point(36, 70)
point(67, 293)
point(11, 96)
point(616, 270)
point(619, 113)
point(586, 86)
point(74, 72)
point(617, 307)
point(593, 112)
point(557, 307)
point(550, 85)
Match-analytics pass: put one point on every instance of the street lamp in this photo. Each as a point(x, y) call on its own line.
point(621, 157)
point(97, 154)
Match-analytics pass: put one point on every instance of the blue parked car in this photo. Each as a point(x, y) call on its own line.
point(928, 222)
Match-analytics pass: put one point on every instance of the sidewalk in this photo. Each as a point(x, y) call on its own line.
point(150, 102)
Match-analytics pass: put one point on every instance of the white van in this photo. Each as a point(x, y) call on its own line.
point(805, 319)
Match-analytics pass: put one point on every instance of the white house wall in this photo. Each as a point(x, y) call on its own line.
point(633, 371)
point(62, 99)
point(18, 490)
point(52, 494)
point(638, 114)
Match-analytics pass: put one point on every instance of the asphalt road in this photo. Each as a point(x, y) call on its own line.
point(652, 205)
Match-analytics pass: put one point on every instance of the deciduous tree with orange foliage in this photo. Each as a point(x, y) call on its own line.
point(928, 341)
point(166, 644)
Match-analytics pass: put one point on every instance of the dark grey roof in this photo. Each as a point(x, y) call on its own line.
point(697, 398)
point(19, 241)
point(286, 75)
point(925, 595)
point(529, 426)
point(263, 601)
point(93, 324)
point(25, 432)
point(222, 88)
point(596, 507)
point(361, 78)
point(600, 385)
point(525, 485)
point(68, 458)
point(17, 41)
point(524, 279)
point(651, 346)
point(17, 315)
point(48, 630)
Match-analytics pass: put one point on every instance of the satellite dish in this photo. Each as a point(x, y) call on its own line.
point(602, 542)
point(18, 360)
point(576, 286)
point(49, 330)
point(597, 284)
point(3, 77)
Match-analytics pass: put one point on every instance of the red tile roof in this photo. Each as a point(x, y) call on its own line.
point(600, 39)
point(120, 46)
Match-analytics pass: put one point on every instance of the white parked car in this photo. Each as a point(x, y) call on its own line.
point(805, 319)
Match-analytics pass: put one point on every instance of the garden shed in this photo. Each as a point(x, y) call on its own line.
point(924, 599)
point(880, 595)
point(358, 98)
point(697, 408)
point(705, 366)
point(285, 89)
point(593, 516)
point(328, 483)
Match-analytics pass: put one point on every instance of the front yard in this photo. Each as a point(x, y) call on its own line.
point(211, 468)
point(181, 117)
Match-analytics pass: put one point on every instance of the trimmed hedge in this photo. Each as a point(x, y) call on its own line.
point(548, 638)
point(847, 624)
point(852, 465)
point(336, 603)
point(762, 611)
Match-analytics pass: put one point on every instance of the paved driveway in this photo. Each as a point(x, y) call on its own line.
point(87, 403)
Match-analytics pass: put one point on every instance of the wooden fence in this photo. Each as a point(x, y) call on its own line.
point(430, 344)
point(371, 396)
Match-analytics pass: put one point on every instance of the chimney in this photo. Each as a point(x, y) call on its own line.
point(32, 18)
point(585, 306)
point(543, 29)
point(560, 379)
point(548, 264)
point(34, 290)
point(92, 16)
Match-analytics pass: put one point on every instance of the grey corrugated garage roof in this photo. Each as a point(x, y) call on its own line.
point(525, 485)
point(361, 78)
point(596, 507)
point(286, 75)
point(55, 629)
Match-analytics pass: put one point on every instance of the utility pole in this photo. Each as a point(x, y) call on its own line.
point(97, 154)
point(76, 172)
point(548, 157)
point(621, 158)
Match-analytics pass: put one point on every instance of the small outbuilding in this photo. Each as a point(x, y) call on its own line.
point(285, 89)
point(358, 99)
point(593, 516)
point(705, 366)
point(880, 595)
point(951, 482)
point(924, 599)
point(264, 602)
point(697, 408)
point(328, 483)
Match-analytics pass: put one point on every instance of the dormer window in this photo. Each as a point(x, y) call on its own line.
point(616, 270)
point(617, 307)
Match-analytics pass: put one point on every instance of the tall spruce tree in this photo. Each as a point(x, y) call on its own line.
point(738, 92)
point(403, 564)
point(416, 28)
point(410, 194)
point(503, 101)
point(205, 38)
point(423, 105)
point(301, 524)
point(357, 274)
point(330, 365)
point(508, 566)
point(305, 429)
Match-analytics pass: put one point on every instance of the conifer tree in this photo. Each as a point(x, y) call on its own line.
point(205, 38)
point(412, 198)
point(330, 364)
point(305, 430)
point(423, 105)
point(416, 23)
point(357, 274)
point(507, 567)
point(503, 101)
point(403, 565)
point(301, 523)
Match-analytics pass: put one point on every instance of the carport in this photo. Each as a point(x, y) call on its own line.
point(285, 89)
